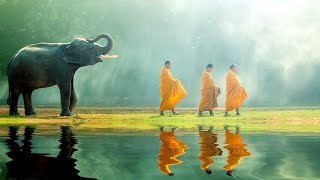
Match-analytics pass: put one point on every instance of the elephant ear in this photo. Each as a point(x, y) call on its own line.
point(74, 55)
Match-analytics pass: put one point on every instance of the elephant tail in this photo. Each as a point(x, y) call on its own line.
point(8, 67)
point(9, 98)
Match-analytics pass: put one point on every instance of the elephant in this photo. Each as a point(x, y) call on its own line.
point(47, 64)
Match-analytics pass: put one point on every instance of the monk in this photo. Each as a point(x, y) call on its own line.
point(209, 92)
point(237, 150)
point(171, 90)
point(170, 149)
point(235, 93)
point(209, 148)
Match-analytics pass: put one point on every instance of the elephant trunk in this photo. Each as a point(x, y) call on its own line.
point(106, 49)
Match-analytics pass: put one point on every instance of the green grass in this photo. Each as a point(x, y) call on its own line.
point(147, 120)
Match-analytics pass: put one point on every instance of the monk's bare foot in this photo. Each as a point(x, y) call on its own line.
point(161, 113)
point(238, 129)
point(238, 112)
point(226, 127)
point(226, 114)
point(211, 128)
point(175, 113)
point(200, 128)
point(200, 113)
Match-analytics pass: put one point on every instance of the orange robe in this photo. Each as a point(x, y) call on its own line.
point(170, 149)
point(208, 148)
point(171, 90)
point(237, 150)
point(209, 93)
point(235, 93)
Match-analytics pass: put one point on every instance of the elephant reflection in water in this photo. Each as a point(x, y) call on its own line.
point(28, 165)
point(237, 150)
point(208, 148)
point(170, 149)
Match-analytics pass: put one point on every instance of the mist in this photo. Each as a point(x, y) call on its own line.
point(274, 43)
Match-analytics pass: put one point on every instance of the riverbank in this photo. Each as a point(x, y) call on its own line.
point(144, 120)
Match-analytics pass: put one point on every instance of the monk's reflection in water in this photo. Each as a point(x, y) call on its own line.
point(237, 150)
point(170, 149)
point(28, 165)
point(208, 148)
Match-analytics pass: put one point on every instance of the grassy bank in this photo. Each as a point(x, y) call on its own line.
point(106, 120)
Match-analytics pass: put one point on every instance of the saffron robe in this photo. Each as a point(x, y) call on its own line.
point(209, 93)
point(235, 93)
point(171, 90)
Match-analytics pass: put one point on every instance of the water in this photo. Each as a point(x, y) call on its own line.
point(72, 156)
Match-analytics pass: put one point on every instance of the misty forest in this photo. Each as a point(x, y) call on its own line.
point(274, 45)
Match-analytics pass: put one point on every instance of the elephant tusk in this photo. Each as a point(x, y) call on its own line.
point(106, 56)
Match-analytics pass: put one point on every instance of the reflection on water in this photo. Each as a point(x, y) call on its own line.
point(121, 157)
point(208, 148)
point(170, 149)
point(27, 165)
point(236, 149)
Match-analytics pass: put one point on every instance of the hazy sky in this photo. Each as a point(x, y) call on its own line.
point(273, 42)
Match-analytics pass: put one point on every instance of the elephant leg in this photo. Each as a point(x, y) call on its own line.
point(73, 98)
point(14, 103)
point(65, 95)
point(29, 110)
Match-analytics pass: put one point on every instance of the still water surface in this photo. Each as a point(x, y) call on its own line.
point(201, 155)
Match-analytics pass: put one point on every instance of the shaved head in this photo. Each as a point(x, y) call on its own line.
point(233, 66)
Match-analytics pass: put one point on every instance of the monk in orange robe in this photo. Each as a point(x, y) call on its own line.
point(209, 92)
point(170, 149)
point(171, 90)
point(209, 148)
point(237, 150)
point(235, 93)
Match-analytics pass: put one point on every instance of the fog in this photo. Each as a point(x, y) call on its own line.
point(274, 43)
